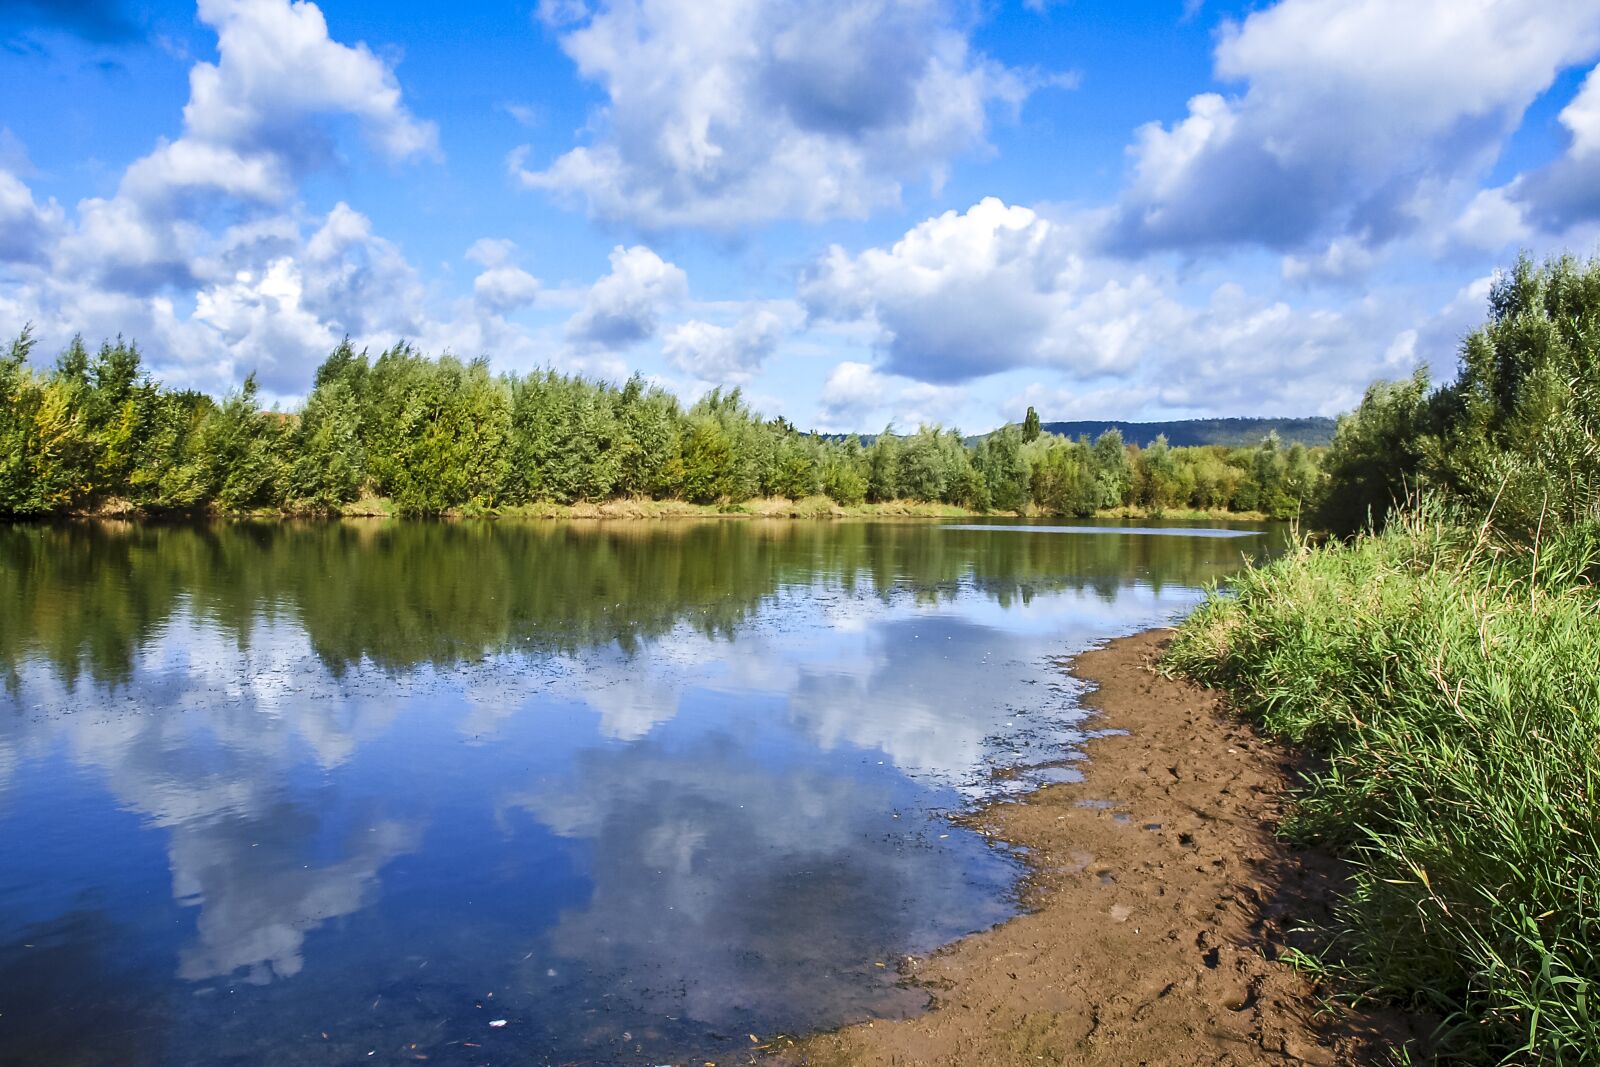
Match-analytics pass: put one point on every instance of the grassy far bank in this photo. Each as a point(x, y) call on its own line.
point(1441, 666)
point(379, 507)
point(644, 508)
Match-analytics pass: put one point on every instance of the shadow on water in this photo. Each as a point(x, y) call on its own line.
point(71, 999)
point(350, 788)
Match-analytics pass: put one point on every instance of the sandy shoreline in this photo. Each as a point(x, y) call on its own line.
point(1159, 900)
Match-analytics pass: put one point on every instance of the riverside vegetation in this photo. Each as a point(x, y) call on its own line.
point(419, 436)
point(1439, 659)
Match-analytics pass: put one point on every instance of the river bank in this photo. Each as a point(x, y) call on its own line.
point(813, 507)
point(1442, 676)
point(1160, 904)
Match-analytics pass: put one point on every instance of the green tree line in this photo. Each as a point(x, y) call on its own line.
point(442, 434)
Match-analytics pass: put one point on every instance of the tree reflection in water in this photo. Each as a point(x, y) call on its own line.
point(652, 785)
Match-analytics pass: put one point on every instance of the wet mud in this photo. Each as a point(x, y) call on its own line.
point(1161, 906)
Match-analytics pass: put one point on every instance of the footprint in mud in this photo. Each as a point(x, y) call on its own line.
point(1243, 1000)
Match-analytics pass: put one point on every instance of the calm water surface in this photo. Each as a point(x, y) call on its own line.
point(349, 793)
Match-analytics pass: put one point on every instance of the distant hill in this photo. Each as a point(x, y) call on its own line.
point(1316, 430)
point(1231, 432)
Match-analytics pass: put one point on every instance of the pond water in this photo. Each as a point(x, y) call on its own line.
point(359, 792)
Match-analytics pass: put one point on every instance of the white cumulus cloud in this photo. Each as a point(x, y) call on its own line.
point(279, 69)
point(624, 307)
point(1354, 115)
point(857, 396)
point(967, 294)
point(722, 113)
point(1565, 192)
point(1002, 289)
point(730, 355)
point(28, 229)
point(277, 286)
point(502, 286)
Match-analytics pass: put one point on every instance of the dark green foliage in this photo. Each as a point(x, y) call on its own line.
point(998, 458)
point(1375, 459)
point(329, 455)
point(709, 465)
point(440, 431)
point(1281, 480)
point(796, 473)
point(844, 476)
point(1159, 484)
point(925, 471)
point(564, 443)
point(1302, 482)
point(1030, 426)
point(19, 411)
point(94, 432)
point(1112, 471)
point(649, 462)
point(242, 449)
point(739, 459)
point(883, 467)
point(1077, 478)
point(1518, 432)
point(1515, 439)
point(1064, 481)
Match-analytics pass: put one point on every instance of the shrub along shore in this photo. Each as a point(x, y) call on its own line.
point(1441, 662)
point(409, 435)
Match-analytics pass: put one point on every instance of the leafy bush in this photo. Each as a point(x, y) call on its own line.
point(1518, 433)
point(1375, 460)
point(1515, 438)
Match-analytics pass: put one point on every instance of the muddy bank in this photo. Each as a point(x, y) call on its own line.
point(1160, 901)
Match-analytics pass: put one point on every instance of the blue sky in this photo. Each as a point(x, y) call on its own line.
point(856, 210)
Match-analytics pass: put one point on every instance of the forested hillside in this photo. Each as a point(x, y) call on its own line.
point(1184, 433)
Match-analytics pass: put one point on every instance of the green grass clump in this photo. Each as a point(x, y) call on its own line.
point(1451, 687)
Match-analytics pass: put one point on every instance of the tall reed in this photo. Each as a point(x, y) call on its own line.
point(1450, 684)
